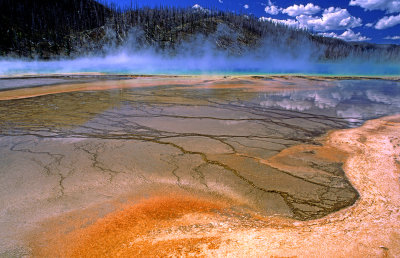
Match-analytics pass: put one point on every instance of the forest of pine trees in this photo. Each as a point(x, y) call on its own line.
point(49, 28)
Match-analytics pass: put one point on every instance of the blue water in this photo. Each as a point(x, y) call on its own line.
point(154, 64)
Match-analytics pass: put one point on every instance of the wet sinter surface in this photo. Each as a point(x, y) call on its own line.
point(221, 137)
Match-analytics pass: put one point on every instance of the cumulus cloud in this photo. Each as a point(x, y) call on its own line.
point(348, 35)
point(392, 37)
point(220, 1)
point(246, 6)
point(390, 6)
point(288, 22)
point(332, 19)
point(272, 9)
point(296, 10)
point(387, 22)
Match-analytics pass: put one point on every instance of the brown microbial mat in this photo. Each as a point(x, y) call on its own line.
point(157, 166)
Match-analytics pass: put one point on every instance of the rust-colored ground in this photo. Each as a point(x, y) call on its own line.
point(194, 226)
point(122, 232)
point(246, 83)
point(95, 86)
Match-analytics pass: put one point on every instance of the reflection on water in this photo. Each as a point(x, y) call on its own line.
point(355, 101)
point(348, 101)
point(76, 149)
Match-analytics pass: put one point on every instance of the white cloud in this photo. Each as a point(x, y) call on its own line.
point(199, 8)
point(369, 25)
point(390, 6)
point(272, 9)
point(392, 37)
point(246, 6)
point(387, 22)
point(288, 22)
point(220, 1)
point(332, 19)
point(296, 10)
point(348, 35)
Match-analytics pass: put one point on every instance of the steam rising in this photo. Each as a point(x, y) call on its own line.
point(201, 55)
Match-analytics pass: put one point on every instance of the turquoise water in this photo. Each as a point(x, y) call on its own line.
point(214, 65)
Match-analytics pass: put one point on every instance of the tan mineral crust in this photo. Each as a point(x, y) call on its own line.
point(233, 194)
point(187, 226)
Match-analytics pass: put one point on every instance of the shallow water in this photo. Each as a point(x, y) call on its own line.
point(219, 64)
point(66, 151)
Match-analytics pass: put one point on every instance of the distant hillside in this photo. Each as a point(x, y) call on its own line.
point(39, 27)
point(49, 28)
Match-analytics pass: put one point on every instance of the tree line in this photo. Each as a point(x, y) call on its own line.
point(50, 28)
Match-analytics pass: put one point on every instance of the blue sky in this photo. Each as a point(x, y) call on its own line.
point(376, 21)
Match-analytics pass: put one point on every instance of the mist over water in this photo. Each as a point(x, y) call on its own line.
point(201, 55)
point(124, 63)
